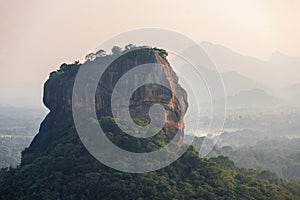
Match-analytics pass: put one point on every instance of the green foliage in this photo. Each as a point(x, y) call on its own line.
point(279, 155)
point(163, 53)
point(10, 150)
point(116, 51)
point(224, 162)
point(128, 142)
point(63, 169)
point(17, 129)
point(65, 69)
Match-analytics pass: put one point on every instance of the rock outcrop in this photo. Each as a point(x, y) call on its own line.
point(59, 87)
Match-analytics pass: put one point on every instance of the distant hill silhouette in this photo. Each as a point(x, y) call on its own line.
point(252, 98)
point(280, 70)
point(235, 83)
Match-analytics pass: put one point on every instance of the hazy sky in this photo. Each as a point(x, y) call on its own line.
point(37, 36)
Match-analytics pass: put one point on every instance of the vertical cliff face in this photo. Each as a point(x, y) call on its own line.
point(59, 87)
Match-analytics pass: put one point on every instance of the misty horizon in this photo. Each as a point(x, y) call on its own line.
point(30, 95)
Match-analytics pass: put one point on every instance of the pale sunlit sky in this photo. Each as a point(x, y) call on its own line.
point(37, 36)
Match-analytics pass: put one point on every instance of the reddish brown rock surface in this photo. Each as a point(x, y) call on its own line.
point(58, 90)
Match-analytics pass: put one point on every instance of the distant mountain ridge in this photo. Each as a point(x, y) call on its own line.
point(235, 83)
point(279, 71)
point(251, 98)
